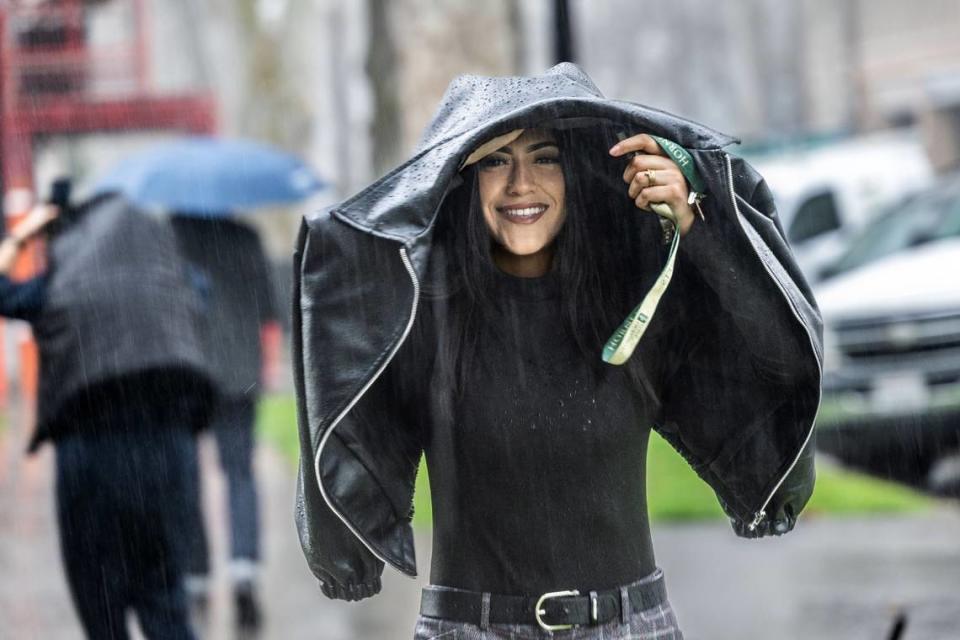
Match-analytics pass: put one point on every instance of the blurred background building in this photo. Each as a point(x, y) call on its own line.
point(336, 81)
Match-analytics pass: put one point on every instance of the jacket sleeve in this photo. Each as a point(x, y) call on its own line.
point(742, 378)
point(344, 567)
point(787, 502)
point(22, 300)
point(359, 446)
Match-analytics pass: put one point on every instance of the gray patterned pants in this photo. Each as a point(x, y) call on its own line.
point(658, 623)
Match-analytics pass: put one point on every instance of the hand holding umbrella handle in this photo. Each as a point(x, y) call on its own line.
point(34, 222)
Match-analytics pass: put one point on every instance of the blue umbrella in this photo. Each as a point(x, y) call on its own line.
point(210, 177)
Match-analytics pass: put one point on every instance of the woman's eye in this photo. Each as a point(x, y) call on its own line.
point(492, 161)
point(548, 160)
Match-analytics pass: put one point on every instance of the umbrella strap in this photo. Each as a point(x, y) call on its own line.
point(621, 344)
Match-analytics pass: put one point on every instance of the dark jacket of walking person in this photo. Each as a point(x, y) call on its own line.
point(122, 389)
point(21, 300)
point(459, 307)
point(229, 258)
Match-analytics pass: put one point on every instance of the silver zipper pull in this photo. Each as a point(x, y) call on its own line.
point(758, 518)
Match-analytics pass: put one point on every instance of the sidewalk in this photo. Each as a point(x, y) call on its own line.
point(831, 579)
point(35, 603)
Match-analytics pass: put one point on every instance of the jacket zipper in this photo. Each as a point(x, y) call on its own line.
point(316, 463)
point(762, 512)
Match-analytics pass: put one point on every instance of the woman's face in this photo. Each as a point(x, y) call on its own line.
point(522, 194)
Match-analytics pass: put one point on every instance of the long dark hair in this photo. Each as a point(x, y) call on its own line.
point(593, 260)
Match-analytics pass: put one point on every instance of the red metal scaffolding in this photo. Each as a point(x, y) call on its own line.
point(56, 79)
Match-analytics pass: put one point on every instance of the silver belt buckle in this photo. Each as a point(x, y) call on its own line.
point(539, 611)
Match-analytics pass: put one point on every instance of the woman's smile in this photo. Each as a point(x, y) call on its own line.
point(522, 213)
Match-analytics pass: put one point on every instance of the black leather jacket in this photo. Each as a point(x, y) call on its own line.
point(747, 392)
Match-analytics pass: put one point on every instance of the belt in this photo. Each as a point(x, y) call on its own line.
point(554, 611)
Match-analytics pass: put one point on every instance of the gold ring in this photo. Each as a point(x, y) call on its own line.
point(651, 177)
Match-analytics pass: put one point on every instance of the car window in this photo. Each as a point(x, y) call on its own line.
point(817, 214)
point(950, 225)
point(909, 223)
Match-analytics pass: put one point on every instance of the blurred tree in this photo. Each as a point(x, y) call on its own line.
point(273, 108)
point(515, 22)
point(381, 67)
point(440, 40)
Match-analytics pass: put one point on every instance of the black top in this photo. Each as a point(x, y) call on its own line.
point(541, 453)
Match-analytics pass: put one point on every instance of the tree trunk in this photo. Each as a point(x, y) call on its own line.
point(385, 129)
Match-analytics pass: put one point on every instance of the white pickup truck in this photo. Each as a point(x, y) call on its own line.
point(891, 311)
point(826, 194)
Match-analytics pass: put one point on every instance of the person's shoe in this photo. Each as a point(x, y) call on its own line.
point(197, 588)
point(249, 616)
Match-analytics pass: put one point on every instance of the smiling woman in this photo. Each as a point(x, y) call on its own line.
point(497, 262)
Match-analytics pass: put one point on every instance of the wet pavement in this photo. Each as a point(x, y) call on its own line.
point(843, 579)
point(832, 579)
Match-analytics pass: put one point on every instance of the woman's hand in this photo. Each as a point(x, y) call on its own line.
point(653, 177)
point(38, 218)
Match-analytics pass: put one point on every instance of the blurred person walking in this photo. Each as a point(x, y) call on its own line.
point(121, 392)
point(203, 181)
point(240, 319)
point(468, 306)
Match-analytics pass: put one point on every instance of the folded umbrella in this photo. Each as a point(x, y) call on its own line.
point(208, 176)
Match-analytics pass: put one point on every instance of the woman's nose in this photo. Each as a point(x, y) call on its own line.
point(521, 179)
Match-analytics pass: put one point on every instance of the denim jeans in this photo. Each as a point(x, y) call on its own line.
point(658, 623)
point(121, 498)
point(232, 427)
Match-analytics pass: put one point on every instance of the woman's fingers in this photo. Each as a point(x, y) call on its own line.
point(643, 163)
point(675, 196)
point(667, 193)
point(652, 177)
point(641, 143)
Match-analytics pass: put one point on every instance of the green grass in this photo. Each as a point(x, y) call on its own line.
point(277, 424)
point(840, 492)
point(675, 492)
